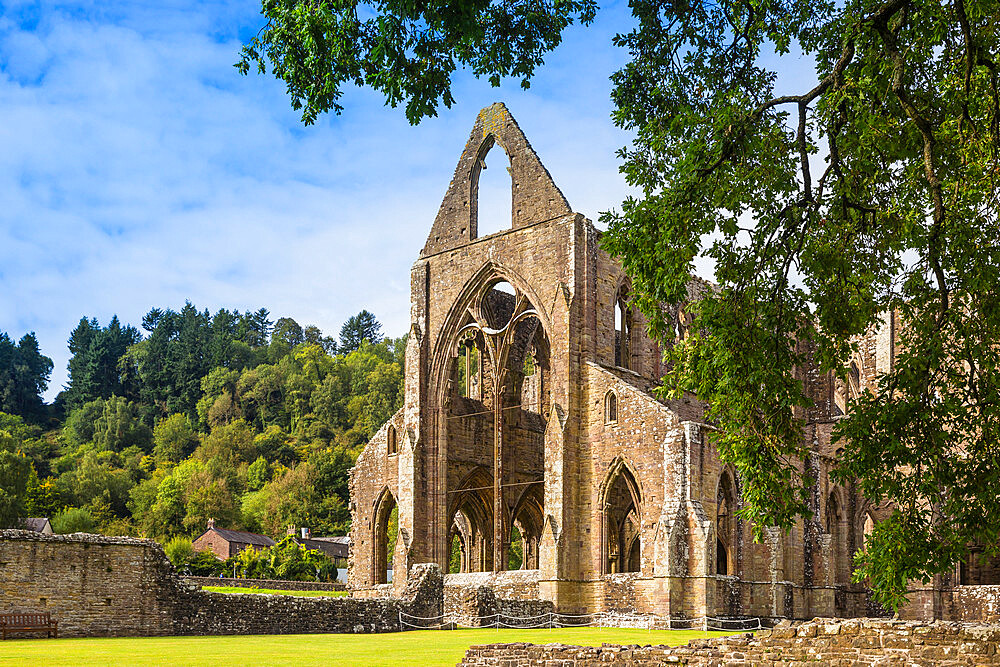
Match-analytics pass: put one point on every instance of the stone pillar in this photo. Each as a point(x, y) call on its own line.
point(416, 502)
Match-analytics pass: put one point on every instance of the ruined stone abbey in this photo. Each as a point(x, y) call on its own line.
point(529, 417)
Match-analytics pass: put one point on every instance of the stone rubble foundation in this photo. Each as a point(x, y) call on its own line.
point(821, 641)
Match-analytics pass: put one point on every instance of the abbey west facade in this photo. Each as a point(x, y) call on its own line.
point(529, 418)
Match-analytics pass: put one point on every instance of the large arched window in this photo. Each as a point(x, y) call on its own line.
point(623, 329)
point(621, 505)
point(836, 527)
point(492, 193)
point(726, 526)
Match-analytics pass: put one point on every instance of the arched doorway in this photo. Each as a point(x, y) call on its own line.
point(386, 532)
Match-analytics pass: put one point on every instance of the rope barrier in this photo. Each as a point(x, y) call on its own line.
point(595, 619)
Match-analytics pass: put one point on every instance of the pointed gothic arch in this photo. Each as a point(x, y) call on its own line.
point(491, 207)
point(611, 407)
point(623, 328)
point(392, 440)
point(837, 529)
point(383, 544)
point(620, 503)
point(727, 525)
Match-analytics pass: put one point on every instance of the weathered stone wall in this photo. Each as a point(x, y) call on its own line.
point(92, 585)
point(120, 586)
point(472, 599)
point(974, 603)
point(273, 584)
point(510, 585)
point(820, 641)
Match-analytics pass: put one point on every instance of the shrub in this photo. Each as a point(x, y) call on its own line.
point(179, 551)
point(73, 520)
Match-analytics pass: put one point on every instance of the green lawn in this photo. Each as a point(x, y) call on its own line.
point(273, 591)
point(424, 647)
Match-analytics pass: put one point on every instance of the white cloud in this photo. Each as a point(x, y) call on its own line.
point(139, 170)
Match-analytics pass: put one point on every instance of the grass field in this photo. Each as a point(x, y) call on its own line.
point(273, 591)
point(434, 648)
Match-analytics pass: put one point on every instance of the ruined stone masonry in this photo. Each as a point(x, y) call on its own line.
point(528, 418)
point(821, 642)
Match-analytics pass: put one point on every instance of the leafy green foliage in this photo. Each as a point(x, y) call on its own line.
point(873, 190)
point(223, 421)
point(179, 551)
point(73, 520)
point(285, 560)
point(406, 51)
point(15, 472)
point(174, 438)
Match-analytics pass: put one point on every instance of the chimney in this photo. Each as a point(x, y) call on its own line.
point(306, 533)
point(211, 524)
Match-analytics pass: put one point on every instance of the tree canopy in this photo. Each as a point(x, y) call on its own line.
point(24, 375)
point(209, 416)
point(870, 189)
point(407, 51)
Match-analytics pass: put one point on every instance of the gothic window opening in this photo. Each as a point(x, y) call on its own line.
point(853, 382)
point(531, 389)
point(867, 529)
point(457, 560)
point(392, 440)
point(849, 390)
point(492, 195)
point(836, 528)
point(721, 558)
point(611, 408)
point(470, 377)
point(726, 527)
point(623, 330)
point(515, 553)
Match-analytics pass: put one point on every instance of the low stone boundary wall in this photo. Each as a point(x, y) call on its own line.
point(820, 641)
point(276, 584)
point(120, 586)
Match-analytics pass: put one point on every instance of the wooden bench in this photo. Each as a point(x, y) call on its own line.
point(15, 623)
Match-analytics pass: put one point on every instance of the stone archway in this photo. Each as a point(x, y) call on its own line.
point(621, 506)
point(385, 532)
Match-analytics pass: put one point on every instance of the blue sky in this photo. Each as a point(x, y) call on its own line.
point(138, 169)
